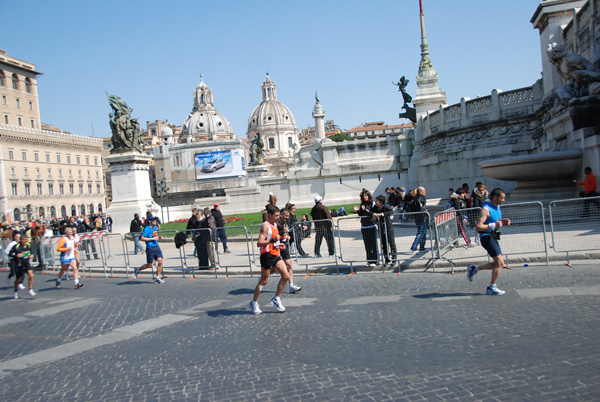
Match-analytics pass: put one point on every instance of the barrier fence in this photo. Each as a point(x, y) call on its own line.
point(566, 227)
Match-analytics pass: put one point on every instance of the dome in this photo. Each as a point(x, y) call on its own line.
point(205, 122)
point(271, 113)
point(166, 131)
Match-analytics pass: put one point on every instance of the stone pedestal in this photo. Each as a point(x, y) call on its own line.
point(256, 172)
point(131, 192)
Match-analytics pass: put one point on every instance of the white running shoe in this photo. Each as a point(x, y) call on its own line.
point(255, 308)
point(21, 286)
point(32, 293)
point(295, 288)
point(277, 304)
point(493, 290)
point(159, 281)
point(17, 295)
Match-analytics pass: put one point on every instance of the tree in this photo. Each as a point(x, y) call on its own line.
point(339, 137)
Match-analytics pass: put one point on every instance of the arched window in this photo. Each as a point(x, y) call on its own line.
point(28, 85)
point(15, 81)
point(100, 208)
point(63, 211)
point(41, 212)
point(290, 143)
point(52, 212)
point(73, 210)
point(17, 214)
point(91, 208)
point(82, 209)
point(271, 143)
point(2, 79)
point(30, 211)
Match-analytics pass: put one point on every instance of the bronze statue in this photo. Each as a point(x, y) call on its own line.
point(410, 112)
point(257, 151)
point(126, 132)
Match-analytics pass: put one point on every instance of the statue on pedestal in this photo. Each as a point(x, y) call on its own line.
point(126, 132)
point(410, 112)
point(257, 151)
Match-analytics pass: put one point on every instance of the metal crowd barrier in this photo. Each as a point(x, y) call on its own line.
point(575, 225)
point(240, 255)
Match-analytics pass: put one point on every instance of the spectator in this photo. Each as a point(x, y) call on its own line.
point(296, 230)
point(459, 203)
point(306, 226)
point(200, 237)
point(479, 195)
point(367, 226)
point(220, 222)
point(136, 228)
point(209, 223)
point(272, 201)
point(109, 223)
point(418, 205)
point(192, 223)
point(386, 229)
point(589, 186)
point(86, 227)
point(323, 227)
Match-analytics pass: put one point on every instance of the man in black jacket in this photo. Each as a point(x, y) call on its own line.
point(324, 228)
point(418, 204)
point(220, 222)
point(87, 226)
point(386, 230)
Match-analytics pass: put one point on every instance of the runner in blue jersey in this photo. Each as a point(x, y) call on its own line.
point(153, 251)
point(488, 225)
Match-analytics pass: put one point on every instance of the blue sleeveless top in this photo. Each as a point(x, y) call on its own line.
point(495, 214)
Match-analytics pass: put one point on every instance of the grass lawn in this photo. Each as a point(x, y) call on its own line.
point(251, 219)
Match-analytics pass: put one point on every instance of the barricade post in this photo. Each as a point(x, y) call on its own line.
point(115, 253)
point(357, 241)
point(239, 251)
point(574, 225)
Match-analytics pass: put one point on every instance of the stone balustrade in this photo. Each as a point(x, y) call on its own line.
point(497, 106)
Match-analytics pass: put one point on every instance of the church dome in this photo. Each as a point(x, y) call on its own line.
point(205, 122)
point(270, 113)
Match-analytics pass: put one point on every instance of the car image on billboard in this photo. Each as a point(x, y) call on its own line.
point(213, 165)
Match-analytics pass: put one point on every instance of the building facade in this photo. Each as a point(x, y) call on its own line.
point(44, 172)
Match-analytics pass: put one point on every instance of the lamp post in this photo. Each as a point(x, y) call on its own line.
point(164, 191)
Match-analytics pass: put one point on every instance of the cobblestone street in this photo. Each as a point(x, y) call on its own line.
point(370, 336)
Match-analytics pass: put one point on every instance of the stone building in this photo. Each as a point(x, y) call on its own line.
point(44, 172)
point(276, 124)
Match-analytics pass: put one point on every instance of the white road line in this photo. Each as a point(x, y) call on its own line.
point(82, 345)
point(65, 307)
point(371, 299)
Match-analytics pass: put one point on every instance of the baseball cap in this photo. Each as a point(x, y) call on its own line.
point(318, 198)
point(216, 204)
point(151, 218)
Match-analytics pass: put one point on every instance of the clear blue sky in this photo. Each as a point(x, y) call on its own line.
point(151, 54)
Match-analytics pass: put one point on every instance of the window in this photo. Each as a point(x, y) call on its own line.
point(18, 103)
point(36, 156)
point(20, 121)
point(50, 189)
point(61, 188)
point(97, 175)
point(70, 174)
point(30, 105)
point(78, 160)
point(5, 119)
point(14, 188)
point(96, 160)
point(58, 158)
point(12, 171)
point(37, 172)
point(60, 173)
point(98, 188)
point(32, 123)
point(48, 158)
point(71, 188)
point(4, 99)
point(15, 81)
point(80, 188)
point(39, 189)
point(2, 79)
point(28, 85)
point(27, 189)
point(271, 143)
point(90, 188)
point(49, 173)
point(87, 160)
point(26, 173)
point(79, 172)
point(24, 155)
point(68, 158)
point(11, 154)
point(290, 143)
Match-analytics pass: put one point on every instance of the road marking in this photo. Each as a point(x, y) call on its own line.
point(450, 298)
point(299, 301)
point(534, 293)
point(82, 345)
point(59, 309)
point(12, 320)
point(371, 299)
point(195, 309)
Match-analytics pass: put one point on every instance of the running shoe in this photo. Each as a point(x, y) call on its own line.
point(295, 288)
point(17, 295)
point(227, 251)
point(261, 288)
point(21, 286)
point(318, 255)
point(57, 283)
point(159, 281)
point(136, 272)
point(78, 285)
point(493, 290)
point(255, 308)
point(471, 271)
point(32, 293)
point(277, 304)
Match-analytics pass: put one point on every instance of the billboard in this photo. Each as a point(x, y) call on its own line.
point(219, 164)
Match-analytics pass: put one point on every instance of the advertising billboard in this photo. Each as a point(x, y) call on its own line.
point(219, 164)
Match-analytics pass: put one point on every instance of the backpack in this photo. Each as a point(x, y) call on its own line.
point(334, 213)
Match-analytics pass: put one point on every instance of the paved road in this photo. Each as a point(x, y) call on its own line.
point(369, 337)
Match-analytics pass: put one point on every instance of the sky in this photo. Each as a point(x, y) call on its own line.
point(151, 54)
